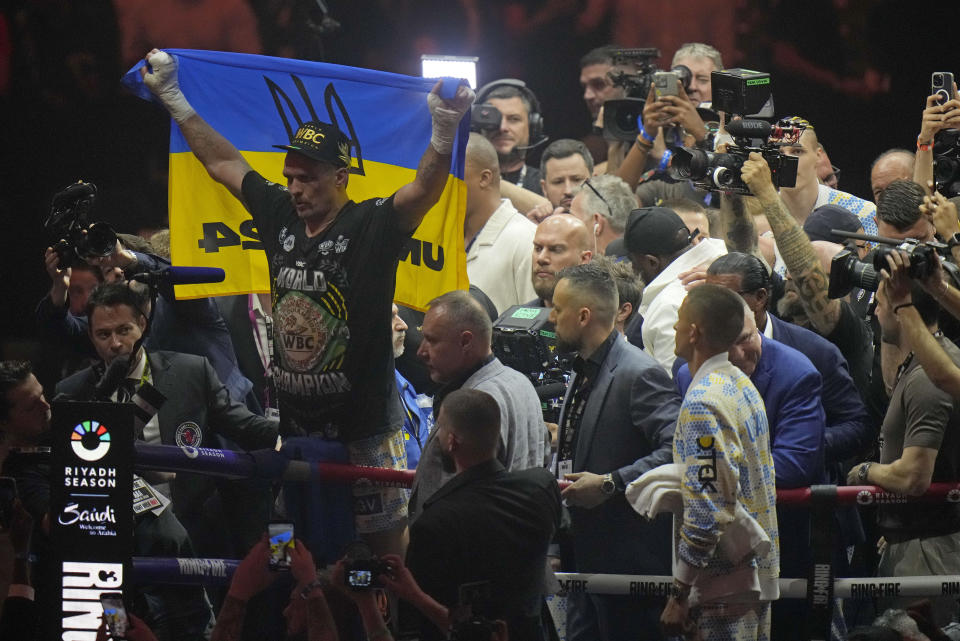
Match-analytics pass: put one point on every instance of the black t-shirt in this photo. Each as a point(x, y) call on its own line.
point(333, 353)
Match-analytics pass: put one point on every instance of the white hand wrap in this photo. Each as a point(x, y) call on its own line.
point(446, 120)
point(165, 86)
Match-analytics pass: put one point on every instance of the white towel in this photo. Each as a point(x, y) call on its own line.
point(658, 491)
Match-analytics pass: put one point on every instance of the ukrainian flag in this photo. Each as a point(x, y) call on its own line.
point(256, 102)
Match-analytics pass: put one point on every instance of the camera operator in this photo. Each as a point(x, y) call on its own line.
point(680, 111)
point(834, 319)
point(920, 436)
point(188, 326)
point(938, 365)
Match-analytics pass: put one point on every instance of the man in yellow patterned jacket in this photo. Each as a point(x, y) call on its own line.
point(721, 588)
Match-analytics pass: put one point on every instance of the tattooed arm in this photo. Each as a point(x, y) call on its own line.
point(802, 262)
point(741, 233)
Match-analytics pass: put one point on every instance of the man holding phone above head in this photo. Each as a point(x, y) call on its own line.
point(333, 265)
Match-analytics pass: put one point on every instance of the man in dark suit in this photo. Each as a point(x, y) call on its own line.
point(485, 524)
point(197, 409)
point(617, 422)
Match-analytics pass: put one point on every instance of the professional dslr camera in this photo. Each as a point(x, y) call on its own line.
point(67, 224)
point(620, 116)
point(361, 566)
point(946, 162)
point(741, 92)
point(847, 271)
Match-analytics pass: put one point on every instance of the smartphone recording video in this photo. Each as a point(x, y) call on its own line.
point(115, 614)
point(281, 543)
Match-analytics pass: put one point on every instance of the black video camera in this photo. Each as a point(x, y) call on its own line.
point(74, 239)
point(946, 162)
point(620, 116)
point(484, 118)
point(524, 339)
point(714, 171)
point(847, 271)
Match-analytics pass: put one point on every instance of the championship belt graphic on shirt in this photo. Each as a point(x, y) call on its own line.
point(313, 336)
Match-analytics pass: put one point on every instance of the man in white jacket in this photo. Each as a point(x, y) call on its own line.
point(661, 248)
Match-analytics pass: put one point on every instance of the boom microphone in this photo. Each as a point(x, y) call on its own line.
point(750, 129)
point(181, 276)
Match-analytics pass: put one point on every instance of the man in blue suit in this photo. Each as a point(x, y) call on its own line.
point(617, 422)
point(849, 430)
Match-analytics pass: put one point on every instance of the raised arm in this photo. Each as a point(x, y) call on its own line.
point(936, 117)
point(741, 232)
point(795, 247)
point(413, 200)
point(218, 156)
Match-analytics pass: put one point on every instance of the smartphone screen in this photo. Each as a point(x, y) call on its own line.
point(8, 493)
point(115, 614)
point(450, 67)
point(281, 542)
point(359, 578)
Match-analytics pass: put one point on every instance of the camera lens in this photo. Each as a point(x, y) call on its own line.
point(722, 177)
point(690, 163)
point(100, 240)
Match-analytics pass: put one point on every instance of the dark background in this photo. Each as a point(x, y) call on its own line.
point(859, 71)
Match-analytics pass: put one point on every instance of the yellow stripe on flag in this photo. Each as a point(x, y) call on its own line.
point(210, 228)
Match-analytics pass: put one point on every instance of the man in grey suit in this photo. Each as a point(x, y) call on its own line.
point(617, 422)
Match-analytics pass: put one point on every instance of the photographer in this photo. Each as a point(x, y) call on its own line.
point(938, 365)
point(920, 437)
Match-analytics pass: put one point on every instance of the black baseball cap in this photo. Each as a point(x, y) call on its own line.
point(822, 220)
point(321, 141)
point(653, 231)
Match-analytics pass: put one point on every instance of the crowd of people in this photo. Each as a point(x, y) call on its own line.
point(719, 344)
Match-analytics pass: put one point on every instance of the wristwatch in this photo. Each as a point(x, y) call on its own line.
point(607, 486)
point(862, 472)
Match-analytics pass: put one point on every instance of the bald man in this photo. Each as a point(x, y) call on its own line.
point(561, 241)
point(893, 164)
point(497, 237)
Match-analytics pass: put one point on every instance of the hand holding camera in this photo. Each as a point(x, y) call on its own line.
point(942, 212)
point(756, 174)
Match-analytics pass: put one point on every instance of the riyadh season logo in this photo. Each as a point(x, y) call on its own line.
point(90, 440)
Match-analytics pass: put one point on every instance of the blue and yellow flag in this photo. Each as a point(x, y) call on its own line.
point(256, 102)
